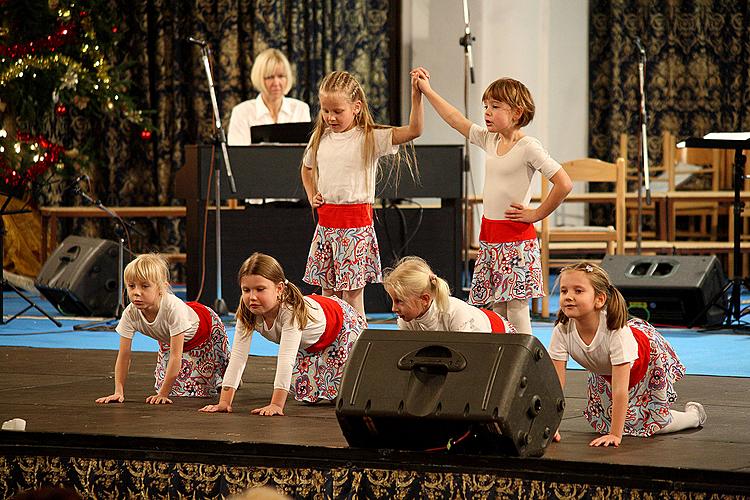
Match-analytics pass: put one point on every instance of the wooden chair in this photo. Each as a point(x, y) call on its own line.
point(695, 161)
point(610, 239)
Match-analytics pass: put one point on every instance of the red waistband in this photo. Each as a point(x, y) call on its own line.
point(503, 231)
point(345, 216)
point(640, 366)
point(334, 322)
point(497, 325)
point(204, 328)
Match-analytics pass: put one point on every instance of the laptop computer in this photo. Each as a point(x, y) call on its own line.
point(282, 133)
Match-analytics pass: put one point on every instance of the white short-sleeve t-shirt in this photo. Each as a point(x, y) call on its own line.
point(608, 348)
point(458, 317)
point(174, 317)
point(342, 179)
point(508, 177)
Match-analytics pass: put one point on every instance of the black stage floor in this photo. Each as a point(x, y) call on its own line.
point(54, 391)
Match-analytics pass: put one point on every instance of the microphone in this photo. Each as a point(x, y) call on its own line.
point(640, 46)
point(202, 43)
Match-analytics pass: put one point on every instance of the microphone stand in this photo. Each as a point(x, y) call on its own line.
point(643, 173)
point(120, 230)
point(220, 306)
point(465, 41)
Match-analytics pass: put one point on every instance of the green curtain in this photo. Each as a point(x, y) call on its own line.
point(697, 70)
point(318, 36)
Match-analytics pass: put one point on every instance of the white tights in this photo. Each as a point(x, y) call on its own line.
point(681, 420)
point(517, 312)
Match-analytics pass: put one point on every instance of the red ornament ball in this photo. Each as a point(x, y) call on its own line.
point(146, 134)
point(60, 109)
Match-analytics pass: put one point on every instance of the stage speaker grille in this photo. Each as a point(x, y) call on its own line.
point(80, 277)
point(488, 393)
point(669, 290)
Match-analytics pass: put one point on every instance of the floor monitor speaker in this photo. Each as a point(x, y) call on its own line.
point(80, 277)
point(472, 392)
point(669, 289)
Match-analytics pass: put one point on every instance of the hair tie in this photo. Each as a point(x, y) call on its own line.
point(286, 281)
point(589, 269)
point(433, 278)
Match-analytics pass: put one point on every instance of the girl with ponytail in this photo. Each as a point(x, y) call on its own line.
point(423, 302)
point(632, 368)
point(315, 335)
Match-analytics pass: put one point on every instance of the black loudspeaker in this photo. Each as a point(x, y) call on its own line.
point(80, 277)
point(669, 290)
point(480, 392)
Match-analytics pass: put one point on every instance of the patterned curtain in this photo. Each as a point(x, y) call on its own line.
point(318, 36)
point(696, 77)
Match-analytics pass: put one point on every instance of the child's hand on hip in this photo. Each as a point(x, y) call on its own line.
point(521, 213)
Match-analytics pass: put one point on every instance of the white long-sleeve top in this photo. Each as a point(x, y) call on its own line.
point(286, 332)
point(507, 178)
point(458, 317)
point(255, 112)
point(608, 348)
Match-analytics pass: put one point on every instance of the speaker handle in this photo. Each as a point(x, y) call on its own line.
point(446, 359)
point(73, 253)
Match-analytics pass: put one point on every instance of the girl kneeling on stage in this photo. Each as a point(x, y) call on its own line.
point(632, 368)
point(193, 347)
point(315, 336)
point(423, 302)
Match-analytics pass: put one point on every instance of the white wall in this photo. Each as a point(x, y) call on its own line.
point(543, 43)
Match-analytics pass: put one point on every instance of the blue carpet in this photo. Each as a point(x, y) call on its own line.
point(703, 353)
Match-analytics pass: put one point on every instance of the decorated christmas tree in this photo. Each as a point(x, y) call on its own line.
point(58, 91)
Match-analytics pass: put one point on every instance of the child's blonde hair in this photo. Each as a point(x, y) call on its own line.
point(413, 277)
point(514, 94)
point(344, 84)
point(151, 268)
point(265, 65)
point(617, 309)
point(269, 268)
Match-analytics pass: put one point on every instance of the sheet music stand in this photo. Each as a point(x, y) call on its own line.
point(5, 283)
point(733, 313)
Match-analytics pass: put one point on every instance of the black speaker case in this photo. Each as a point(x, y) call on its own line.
point(675, 298)
point(508, 396)
point(80, 277)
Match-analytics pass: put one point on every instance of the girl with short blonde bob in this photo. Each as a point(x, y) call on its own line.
point(315, 336)
point(423, 302)
point(193, 347)
point(632, 368)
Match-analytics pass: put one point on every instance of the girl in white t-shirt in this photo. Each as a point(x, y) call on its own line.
point(315, 335)
point(423, 302)
point(507, 270)
point(339, 170)
point(632, 368)
point(193, 347)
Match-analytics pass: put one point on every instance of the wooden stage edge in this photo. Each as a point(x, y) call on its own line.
point(54, 391)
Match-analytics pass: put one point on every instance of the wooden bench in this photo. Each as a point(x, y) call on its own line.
point(51, 214)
